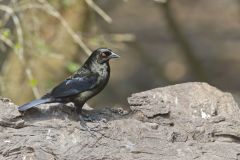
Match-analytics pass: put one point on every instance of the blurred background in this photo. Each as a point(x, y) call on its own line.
point(161, 42)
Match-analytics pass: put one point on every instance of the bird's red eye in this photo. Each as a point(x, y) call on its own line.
point(103, 55)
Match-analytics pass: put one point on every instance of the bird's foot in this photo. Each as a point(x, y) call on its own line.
point(95, 127)
point(88, 118)
point(92, 128)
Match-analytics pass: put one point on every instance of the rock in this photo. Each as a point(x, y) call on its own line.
point(200, 114)
point(185, 121)
point(9, 114)
point(194, 100)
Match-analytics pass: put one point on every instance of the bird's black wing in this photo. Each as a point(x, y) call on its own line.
point(74, 86)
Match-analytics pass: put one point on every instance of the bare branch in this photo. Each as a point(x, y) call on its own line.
point(160, 1)
point(52, 11)
point(49, 9)
point(6, 41)
point(126, 37)
point(97, 9)
point(20, 47)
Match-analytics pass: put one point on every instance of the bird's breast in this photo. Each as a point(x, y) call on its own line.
point(100, 84)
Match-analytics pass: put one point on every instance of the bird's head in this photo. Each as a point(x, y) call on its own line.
point(103, 55)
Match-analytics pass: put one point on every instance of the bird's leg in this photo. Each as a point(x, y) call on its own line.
point(84, 118)
point(78, 106)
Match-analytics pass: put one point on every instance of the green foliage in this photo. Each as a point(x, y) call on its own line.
point(6, 33)
point(72, 67)
point(33, 82)
point(17, 46)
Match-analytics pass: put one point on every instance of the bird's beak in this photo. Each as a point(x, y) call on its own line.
point(113, 55)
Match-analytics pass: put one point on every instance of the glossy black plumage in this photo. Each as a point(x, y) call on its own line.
point(89, 80)
point(73, 86)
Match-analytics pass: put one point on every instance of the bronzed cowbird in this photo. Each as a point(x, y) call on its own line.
point(85, 83)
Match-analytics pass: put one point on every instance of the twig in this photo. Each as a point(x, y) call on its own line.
point(6, 41)
point(5, 19)
point(160, 1)
point(52, 11)
point(124, 37)
point(97, 9)
point(49, 9)
point(20, 48)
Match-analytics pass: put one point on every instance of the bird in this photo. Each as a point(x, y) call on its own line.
point(82, 85)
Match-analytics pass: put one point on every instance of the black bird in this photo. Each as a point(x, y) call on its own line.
point(85, 83)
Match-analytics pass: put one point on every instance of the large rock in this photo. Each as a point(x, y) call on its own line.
point(185, 121)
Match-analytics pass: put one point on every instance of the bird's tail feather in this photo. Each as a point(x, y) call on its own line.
point(34, 103)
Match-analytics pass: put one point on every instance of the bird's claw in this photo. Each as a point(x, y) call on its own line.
point(87, 118)
point(85, 127)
